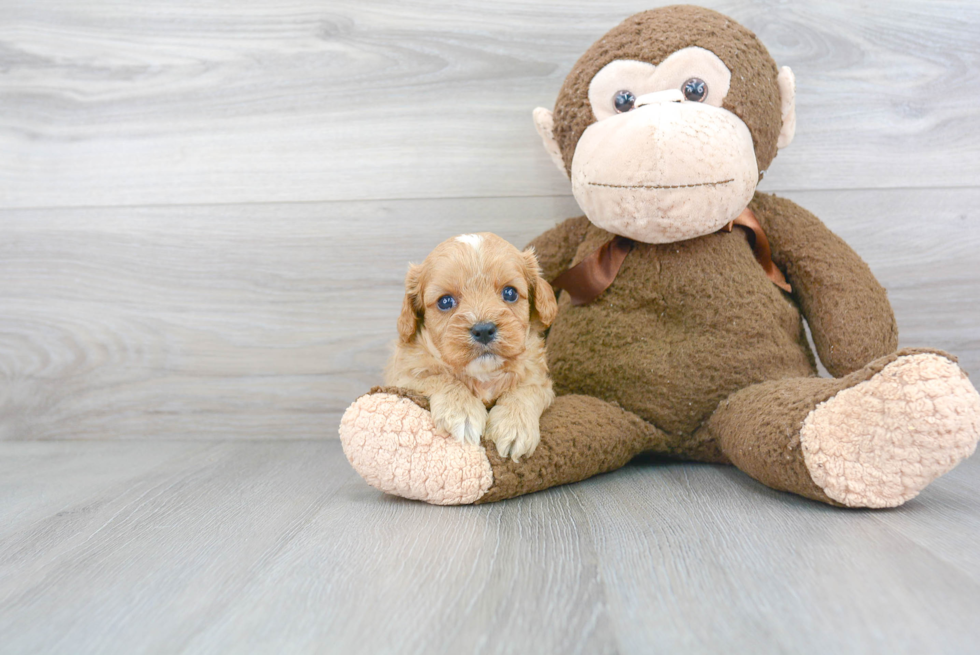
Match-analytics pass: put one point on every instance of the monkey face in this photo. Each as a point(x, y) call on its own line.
point(664, 161)
point(663, 124)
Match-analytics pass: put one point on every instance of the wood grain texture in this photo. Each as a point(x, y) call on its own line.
point(121, 103)
point(279, 547)
point(771, 574)
point(266, 321)
point(213, 322)
point(206, 211)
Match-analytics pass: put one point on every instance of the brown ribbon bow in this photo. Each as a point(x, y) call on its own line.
point(585, 281)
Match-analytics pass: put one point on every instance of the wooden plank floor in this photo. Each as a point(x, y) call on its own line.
point(278, 547)
point(206, 211)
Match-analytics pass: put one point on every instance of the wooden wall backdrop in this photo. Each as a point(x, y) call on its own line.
point(206, 208)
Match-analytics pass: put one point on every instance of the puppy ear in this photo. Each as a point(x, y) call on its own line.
point(544, 306)
point(412, 309)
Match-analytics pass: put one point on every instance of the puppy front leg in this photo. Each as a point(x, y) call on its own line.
point(514, 422)
point(457, 411)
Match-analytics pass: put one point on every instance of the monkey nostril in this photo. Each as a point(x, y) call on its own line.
point(484, 332)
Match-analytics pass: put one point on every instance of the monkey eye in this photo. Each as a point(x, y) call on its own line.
point(509, 294)
point(445, 303)
point(623, 100)
point(695, 90)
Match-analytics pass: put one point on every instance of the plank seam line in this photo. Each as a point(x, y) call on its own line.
point(430, 198)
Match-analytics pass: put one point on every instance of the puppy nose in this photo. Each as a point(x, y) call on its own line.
point(484, 332)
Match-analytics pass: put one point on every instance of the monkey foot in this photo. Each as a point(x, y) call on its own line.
point(392, 443)
point(880, 442)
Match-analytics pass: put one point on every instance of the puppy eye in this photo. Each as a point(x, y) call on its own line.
point(509, 294)
point(695, 90)
point(623, 100)
point(445, 303)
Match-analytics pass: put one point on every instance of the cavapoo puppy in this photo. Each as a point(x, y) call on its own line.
point(470, 338)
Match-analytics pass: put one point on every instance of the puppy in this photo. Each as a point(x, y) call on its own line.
point(470, 338)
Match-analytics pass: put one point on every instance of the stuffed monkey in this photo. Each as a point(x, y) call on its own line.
point(682, 296)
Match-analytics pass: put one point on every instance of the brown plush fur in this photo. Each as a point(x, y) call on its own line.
point(653, 35)
point(585, 436)
point(830, 282)
point(757, 429)
point(692, 351)
point(686, 324)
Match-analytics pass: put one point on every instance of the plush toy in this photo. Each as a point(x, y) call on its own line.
point(682, 297)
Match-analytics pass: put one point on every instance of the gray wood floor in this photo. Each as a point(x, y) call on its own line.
point(206, 212)
point(247, 546)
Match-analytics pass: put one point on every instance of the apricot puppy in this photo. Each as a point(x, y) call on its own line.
point(470, 338)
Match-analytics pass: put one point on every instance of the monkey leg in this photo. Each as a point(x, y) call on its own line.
point(874, 438)
point(390, 440)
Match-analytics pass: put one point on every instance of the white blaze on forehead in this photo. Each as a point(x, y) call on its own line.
point(473, 240)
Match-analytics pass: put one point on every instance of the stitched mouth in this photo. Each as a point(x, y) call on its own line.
point(660, 186)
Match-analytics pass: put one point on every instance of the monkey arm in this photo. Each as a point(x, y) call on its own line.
point(556, 248)
point(848, 312)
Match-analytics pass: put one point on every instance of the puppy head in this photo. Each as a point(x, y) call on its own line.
point(476, 298)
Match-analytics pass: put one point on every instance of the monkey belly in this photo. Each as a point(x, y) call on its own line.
point(683, 326)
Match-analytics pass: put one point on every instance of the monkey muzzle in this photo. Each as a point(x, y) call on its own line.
point(667, 171)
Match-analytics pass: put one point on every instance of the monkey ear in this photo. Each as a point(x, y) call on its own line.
point(412, 310)
point(545, 123)
point(544, 306)
point(787, 95)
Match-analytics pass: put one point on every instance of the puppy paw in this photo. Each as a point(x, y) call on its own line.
point(461, 415)
point(514, 429)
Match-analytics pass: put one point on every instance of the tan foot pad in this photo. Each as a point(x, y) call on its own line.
point(880, 442)
point(391, 442)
